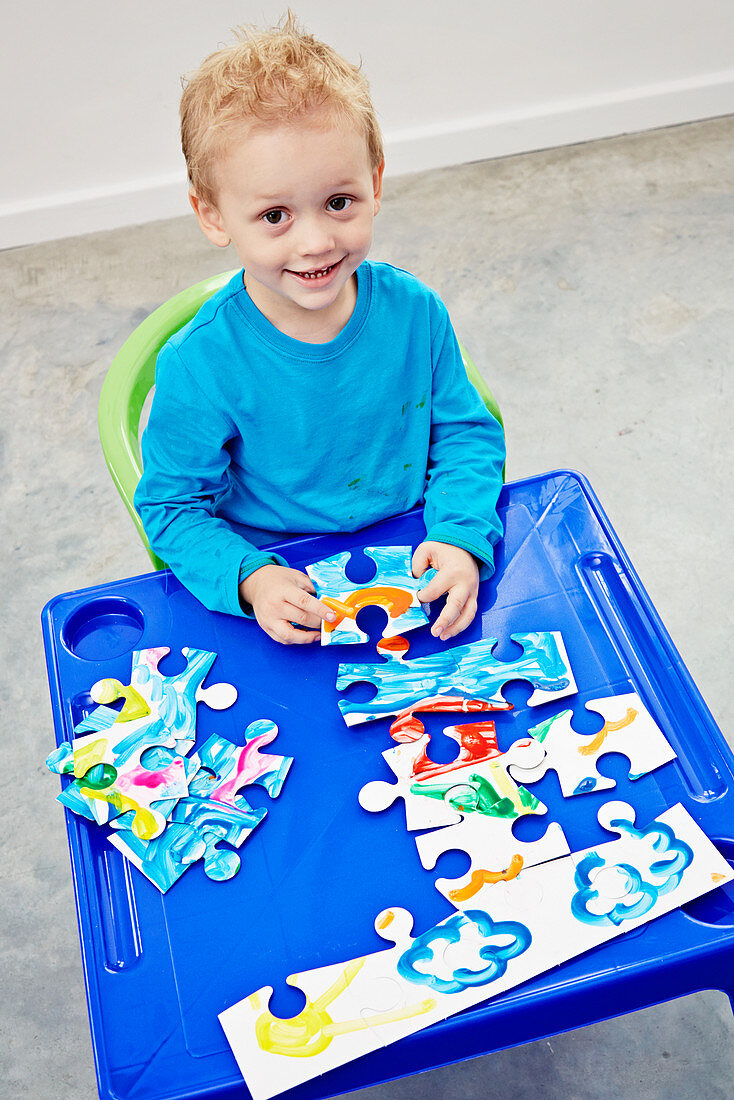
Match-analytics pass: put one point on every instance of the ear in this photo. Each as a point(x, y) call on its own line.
point(210, 220)
point(377, 184)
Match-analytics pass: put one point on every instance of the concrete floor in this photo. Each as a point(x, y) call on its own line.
point(594, 286)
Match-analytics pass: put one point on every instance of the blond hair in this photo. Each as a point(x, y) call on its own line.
point(273, 76)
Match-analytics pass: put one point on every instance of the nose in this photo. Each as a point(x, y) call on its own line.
point(316, 236)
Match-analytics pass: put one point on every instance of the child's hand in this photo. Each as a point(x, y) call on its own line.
point(280, 597)
point(456, 573)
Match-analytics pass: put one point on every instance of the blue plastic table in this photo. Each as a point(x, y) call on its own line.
point(159, 968)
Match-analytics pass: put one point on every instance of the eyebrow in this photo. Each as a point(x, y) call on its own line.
point(279, 199)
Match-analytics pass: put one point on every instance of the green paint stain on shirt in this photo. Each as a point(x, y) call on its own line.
point(353, 484)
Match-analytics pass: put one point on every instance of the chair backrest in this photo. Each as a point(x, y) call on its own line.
point(131, 377)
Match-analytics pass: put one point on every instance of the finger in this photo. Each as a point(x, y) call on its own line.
point(308, 604)
point(463, 620)
point(290, 635)
point(421, 561)
point(437, 586)
point(452, 610)
point(303, 581)
point(302, 618)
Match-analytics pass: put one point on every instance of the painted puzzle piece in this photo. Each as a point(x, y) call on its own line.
point(172, 699)
point(393, 587)
point(628, 729)
point(362, 1004)
point(112, 776)
point(506, 938)
point(467, 672)
point(625, 879)
point(197, 828)
point(475, 783)
point(227, 768)
point(496, 855)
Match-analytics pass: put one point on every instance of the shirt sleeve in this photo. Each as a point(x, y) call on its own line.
point(185, 465)
point(466, 456)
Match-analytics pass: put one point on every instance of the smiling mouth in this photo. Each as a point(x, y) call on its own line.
point(319, 273)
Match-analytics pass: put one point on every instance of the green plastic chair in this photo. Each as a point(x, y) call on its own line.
point(131, 377)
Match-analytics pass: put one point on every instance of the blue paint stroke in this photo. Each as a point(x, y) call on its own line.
point(642, 894)
point(174, 697)
point(450, 931)
point(469, 671)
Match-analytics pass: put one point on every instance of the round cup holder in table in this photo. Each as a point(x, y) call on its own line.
point(103, 628)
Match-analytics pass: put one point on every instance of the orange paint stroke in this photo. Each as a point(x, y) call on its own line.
point(718, 878)
point(479, 878)
point(608, 727)
point(396, 601)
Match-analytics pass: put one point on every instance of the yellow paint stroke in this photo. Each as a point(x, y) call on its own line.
point(396, 601)
point(716, 878)
point(110, 690)
point(480, 877)
point(312, 1030)
point(146, 824)
point(608, 727)
point(90, 755)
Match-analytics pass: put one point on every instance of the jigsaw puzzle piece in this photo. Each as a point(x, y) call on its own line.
point(393, 588)
point(227, 768)
point(496, 855)
point(116, 775)
point(645, 871)
point(628, 729)
point(172, 699)
point(468, 672)
point(422, 811)
point(476, 782)
point(196, 829)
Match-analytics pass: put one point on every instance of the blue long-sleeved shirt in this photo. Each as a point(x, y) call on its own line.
point(254, 435)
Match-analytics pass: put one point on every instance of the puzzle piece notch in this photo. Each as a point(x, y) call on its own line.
point(628, 729)
point(393, 587)
point(468, 671)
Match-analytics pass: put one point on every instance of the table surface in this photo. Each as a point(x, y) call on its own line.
point(159, 968)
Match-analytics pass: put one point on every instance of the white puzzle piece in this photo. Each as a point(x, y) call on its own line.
point(628, 729)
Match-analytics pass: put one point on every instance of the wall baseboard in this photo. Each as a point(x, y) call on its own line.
point(480, 137)
point(561, 122)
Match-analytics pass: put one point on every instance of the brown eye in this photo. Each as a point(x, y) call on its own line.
point(339, 203)
point(274, 217)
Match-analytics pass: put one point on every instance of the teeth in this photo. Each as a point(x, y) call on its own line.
point(315, 274)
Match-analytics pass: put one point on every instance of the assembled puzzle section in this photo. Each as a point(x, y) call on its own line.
point(132, 770)
point(467, 672)
point(393, 588)
point(504, 939)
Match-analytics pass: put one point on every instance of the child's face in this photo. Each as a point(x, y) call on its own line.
point(298, 203)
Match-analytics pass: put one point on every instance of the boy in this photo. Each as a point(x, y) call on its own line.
point(317, 391)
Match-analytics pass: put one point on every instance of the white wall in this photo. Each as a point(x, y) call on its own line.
point(89, 88)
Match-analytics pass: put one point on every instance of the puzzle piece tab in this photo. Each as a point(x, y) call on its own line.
point(466, 672)
point(628, 729)
point(393, 587)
